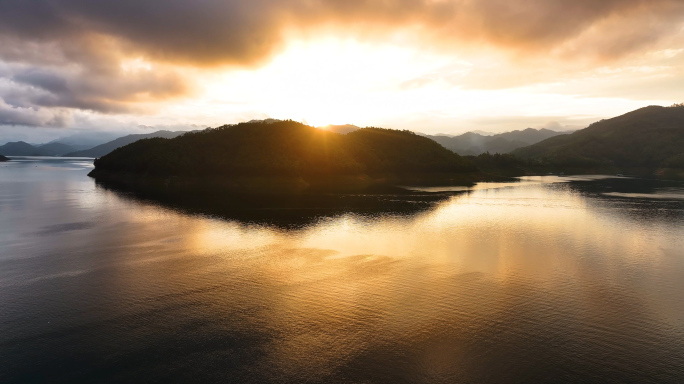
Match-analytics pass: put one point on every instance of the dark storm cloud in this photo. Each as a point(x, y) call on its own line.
point(210, 32)
point(189, 30)
point(85, 73)
point(93, 90)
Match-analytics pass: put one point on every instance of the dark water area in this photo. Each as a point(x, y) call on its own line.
point(549, 279)
point(287, 211)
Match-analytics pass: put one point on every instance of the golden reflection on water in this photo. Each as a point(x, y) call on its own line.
point(401, 275)
point(505, 277)
point(533, 231)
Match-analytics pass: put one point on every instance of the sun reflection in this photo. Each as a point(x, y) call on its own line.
point(500, 232)
point(539, 234)
point(492, 267)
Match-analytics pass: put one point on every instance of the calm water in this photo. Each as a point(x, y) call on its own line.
point(546, 280)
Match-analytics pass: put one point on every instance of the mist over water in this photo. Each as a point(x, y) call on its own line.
point(549, 279)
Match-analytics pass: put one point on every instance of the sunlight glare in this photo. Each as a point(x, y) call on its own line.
point(343, 81)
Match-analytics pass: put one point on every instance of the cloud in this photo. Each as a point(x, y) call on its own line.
point(108, 91)
point(208, 32)
point(31, 117)
point(125, 56)
point(90, 74)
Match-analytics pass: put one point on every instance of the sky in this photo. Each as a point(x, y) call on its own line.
point(432, 66)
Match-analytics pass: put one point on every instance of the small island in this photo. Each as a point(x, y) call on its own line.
point(286, 157)
point(3, 158)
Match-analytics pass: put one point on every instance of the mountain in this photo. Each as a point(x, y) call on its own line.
point(107, 147)
point(341, 129)
point(650, 137)
point(54, 149)
point(20, 148)
point(302, 154)
point(472, 143)
point(483, 133)
point(87, 139)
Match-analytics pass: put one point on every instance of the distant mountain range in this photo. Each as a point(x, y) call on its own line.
point(473, 144)
point(107, 147)
point(20, 148)
point(650, 137)
point(88, 139)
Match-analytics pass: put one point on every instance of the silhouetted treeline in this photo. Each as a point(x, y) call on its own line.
point(498, 160)
point(283, 148)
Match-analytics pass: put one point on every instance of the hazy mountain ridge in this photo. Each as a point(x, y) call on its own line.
point(21, 148)
point(88, 139)
point(648, 137)
point(108, 147)
point(342, 129)
point(56, 148)
point(18, 148)
point(472, 144)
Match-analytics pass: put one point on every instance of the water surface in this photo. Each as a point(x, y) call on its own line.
point(550, 279)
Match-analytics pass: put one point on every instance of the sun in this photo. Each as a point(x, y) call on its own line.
point(335, 81)
point(321, 82)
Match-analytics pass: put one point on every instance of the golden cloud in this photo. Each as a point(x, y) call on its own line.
point(69, 53)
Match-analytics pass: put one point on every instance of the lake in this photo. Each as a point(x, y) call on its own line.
point(549, 279)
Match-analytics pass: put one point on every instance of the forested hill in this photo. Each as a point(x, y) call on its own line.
point(283, 148)
point(649, 137)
